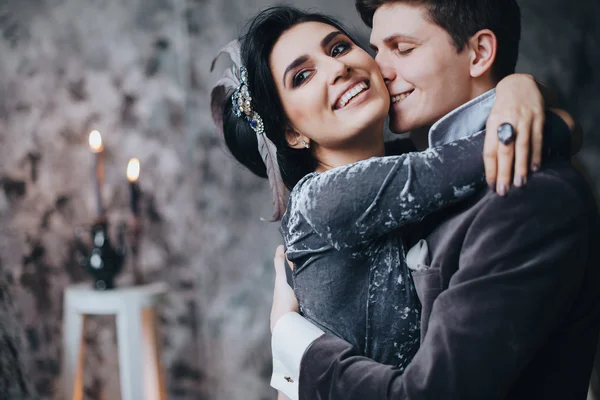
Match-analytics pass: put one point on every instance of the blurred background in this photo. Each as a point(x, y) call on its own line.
point(138, 72)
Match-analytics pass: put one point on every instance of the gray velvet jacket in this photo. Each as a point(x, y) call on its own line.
point(343, 231)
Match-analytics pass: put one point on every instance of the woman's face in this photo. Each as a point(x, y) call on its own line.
point(331, 90)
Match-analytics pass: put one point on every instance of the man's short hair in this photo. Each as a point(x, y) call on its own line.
point(463, 18)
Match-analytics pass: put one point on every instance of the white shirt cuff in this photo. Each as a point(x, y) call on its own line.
point(292, 336)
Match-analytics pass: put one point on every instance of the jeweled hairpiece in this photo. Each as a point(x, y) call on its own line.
point(237, 86)
point(242, 104)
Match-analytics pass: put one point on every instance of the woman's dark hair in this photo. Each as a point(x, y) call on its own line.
point(256, 47)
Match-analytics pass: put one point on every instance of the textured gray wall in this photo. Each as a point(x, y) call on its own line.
point(138, 72)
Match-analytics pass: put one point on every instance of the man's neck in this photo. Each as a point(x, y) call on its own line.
point(421, 136)
point(463, 121)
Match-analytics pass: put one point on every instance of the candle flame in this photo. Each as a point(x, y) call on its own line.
point(133, 170)
point(95, 141)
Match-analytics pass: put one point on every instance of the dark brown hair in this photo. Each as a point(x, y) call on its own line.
point(462, 19)
point(256, 47)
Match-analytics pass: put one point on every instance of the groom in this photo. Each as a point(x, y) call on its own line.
point(509, 286)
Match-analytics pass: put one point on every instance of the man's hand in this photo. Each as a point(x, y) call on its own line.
point(284, 299)
point(519, 103)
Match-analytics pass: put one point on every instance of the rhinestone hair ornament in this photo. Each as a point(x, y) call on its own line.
point(242, 104)
point(234, 81)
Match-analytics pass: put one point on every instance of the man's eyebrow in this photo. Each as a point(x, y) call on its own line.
point(294, 64)
point(398, 37)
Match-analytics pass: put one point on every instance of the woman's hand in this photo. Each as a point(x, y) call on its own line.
point(284, 299)
point(519, 102)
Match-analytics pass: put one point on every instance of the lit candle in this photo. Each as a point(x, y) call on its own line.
point(133, 173)
point(97, 148)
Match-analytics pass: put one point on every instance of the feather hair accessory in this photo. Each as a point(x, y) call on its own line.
point(235, 80)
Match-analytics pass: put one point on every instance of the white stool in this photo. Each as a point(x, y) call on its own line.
point(139, 351)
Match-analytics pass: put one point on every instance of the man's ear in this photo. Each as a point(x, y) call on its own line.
point(294, 139)
point(483, 47)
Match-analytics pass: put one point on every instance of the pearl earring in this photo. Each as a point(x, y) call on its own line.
point(305, 144)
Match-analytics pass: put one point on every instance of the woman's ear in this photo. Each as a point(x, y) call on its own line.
point(295, 140)
point(483, 46)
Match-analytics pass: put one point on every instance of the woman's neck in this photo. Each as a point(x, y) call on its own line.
point(361, 150)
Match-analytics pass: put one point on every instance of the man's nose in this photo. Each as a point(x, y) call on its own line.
point(386, 67)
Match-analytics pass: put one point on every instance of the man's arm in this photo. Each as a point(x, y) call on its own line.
point(518, 272)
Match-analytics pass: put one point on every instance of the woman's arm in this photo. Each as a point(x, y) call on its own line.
point(519, 102)
point(359, 202)
point(356, 203)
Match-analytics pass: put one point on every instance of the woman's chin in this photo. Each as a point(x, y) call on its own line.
point(370, 119)
point(373, 113)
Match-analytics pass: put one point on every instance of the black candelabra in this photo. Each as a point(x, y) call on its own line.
point(103, 260)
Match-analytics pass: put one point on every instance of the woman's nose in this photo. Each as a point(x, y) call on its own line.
point(338, 70)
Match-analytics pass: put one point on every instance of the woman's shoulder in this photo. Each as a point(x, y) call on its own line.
point(297, 190)
point(295, 199)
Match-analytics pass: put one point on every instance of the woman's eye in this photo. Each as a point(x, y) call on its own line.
point(405, 52)
point(300, 77)
point(340, 48)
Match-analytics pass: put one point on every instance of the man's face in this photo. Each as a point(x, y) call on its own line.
point(425, 74)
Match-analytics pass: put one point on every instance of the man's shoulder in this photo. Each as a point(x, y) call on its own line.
point(557, 191)
point(552, 196)
point(557, 136)
point(556, 208)
point(558, 186)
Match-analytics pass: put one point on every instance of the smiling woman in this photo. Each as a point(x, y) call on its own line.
point(290, 57)
point(332, 94)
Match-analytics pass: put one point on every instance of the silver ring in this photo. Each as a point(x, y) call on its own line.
point(506, 134)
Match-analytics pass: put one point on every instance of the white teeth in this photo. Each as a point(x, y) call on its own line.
point(400, 97)
point(351, 93)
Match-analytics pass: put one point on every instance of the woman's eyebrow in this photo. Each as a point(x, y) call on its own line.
point(294, 64)
point(302, 59)
point(327, 39)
